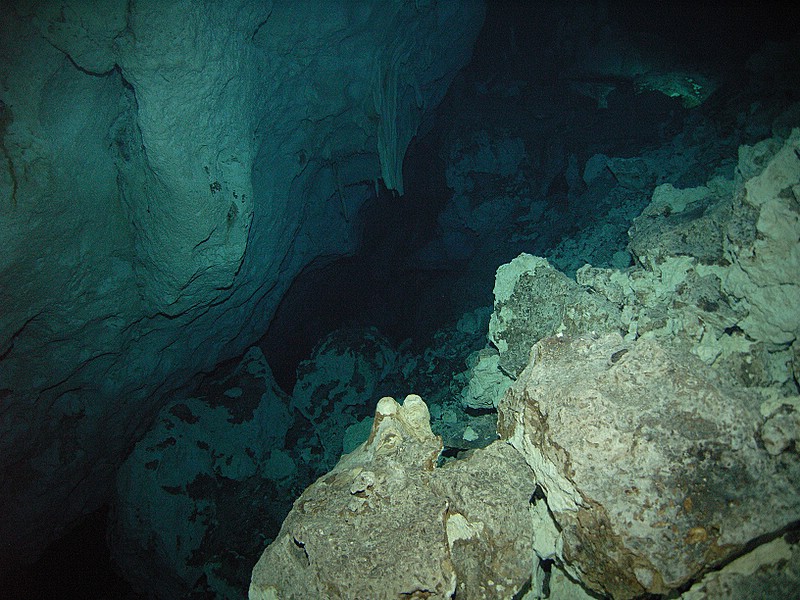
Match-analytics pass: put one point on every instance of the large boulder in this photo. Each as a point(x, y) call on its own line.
point(386, 522)
point(652, 469)
point(166, 169)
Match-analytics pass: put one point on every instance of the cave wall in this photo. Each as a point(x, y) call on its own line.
point(167, 168)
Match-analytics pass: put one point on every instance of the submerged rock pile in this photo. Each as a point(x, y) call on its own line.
point(656, 407)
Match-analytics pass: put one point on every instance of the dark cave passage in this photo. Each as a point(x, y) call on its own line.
point(79, 565)
point(379, 285)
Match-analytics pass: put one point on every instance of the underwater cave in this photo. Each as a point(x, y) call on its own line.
point(230, 229)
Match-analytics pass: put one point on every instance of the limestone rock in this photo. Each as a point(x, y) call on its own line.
point(765, 274)
point(387, 523)
point(719, 267)
point(744, 236)
point(488, 525)
point(781, 429)
point(371, 528)
point(533, 300)
point(167, 169)
point(682, 222)
point(487, 383)
point(770, 571)
point(677, 297)
point(650, 466)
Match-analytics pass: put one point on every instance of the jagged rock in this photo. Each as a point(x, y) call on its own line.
point(488, 526)
point(651, 467)
point(771, 571)
point(487, 383)
point(679, 222)
point(387, 523)
point(765, 271)
point(675, 296)
point(207, 482)
point(532, 301)
point(720, 268)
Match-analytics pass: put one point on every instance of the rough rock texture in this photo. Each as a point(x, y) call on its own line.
point(333, 387)
point(532, 301)
point(166, 168)
point(720, 267)
point(387, 523)
point(209, 485)
point(199, 491)
point(652, 468)
point(713, 265)
point(770, 571)
point(717, 266)
point(765, 275)
point(487, 383)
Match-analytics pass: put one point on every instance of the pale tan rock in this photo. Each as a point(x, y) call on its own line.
point(386, 523)
point(650, 466)
point(771, 571)
point(371, 528)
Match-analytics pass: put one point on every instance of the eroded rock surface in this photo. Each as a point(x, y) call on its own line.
point(199, 493)
point(717, 266)
point(333, 386)
point(652, 468)
point(166, 169)
point(532, 301)
point(387, 523)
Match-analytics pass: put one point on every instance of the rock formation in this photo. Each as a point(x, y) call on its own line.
point(167, 168)
point(653, 471)
point(655, 406)
point(387, 522)
point(205, 485)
